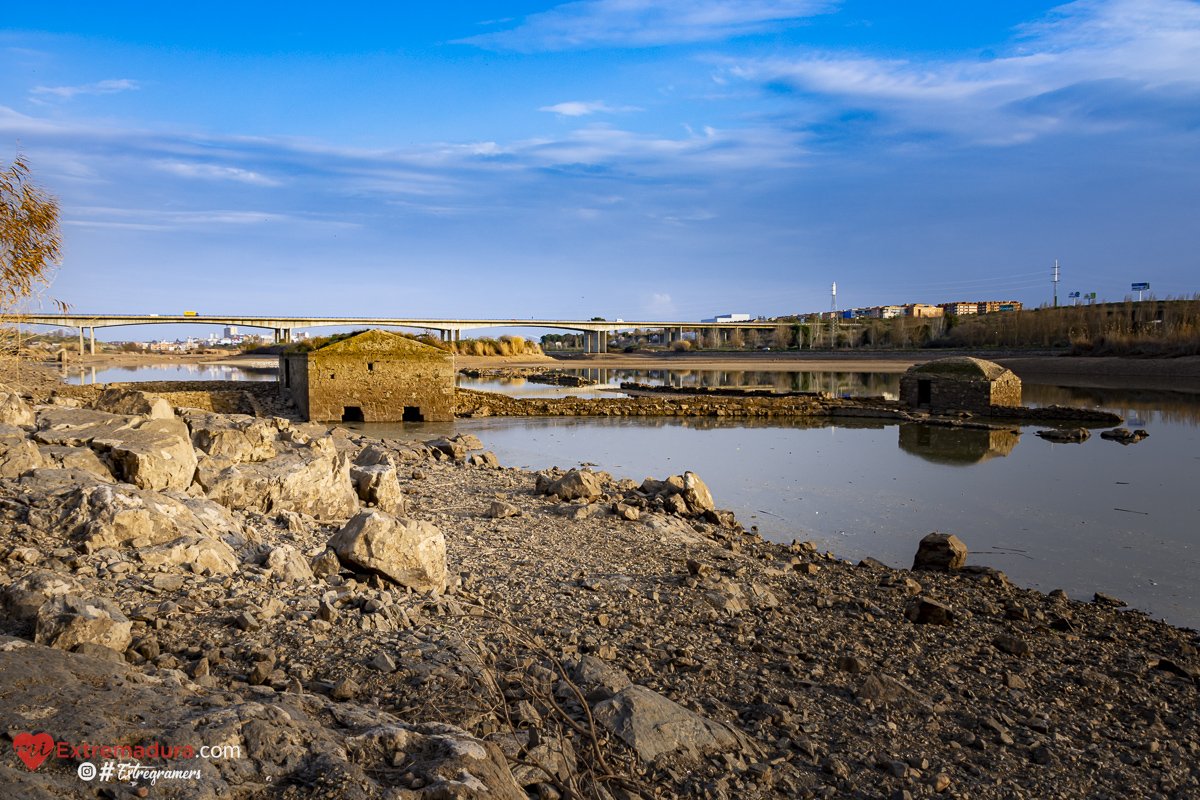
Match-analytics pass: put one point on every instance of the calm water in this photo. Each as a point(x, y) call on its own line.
point(1097, 516)
point(874, 384)
point(172, 372)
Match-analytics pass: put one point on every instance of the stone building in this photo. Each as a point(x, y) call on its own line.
point(959, 384)
point(371, 376)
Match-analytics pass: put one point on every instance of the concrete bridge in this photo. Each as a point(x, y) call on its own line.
point(596, 331)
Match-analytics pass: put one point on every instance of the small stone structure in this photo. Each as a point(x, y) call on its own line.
point(372, 376)
point(959, 384)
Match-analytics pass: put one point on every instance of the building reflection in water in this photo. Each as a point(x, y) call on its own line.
point(956, 446)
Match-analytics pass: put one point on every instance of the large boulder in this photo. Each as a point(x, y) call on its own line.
point(119, 515)
point(378, 484)
point(408, 551)
point(84, 458)
point(76, 427)
point(940, 552)
point(22, 598)
point(157, 455)
point(13, 410)
point(696, 493)
point(68, 620)
point(115, 400)
point(576, 485)
point(312, 479)
point(236, 437)
point(653, 725)
point(18, 455)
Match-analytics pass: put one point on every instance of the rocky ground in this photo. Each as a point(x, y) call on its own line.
point(363, 618)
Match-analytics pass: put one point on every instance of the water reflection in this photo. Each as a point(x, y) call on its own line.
point(79, 375)
point(872, 384)
point(956, 446)
point(1138, 406)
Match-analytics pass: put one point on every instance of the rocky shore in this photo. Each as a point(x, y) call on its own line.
point(350, 617)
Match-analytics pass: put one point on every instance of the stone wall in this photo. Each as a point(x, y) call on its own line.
point(373, 376)
point(948, 393)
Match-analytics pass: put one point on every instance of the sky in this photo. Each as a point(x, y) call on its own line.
point(628, 159)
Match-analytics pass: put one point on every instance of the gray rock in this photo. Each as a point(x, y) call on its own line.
point(924, 611)
point(696, 493)
point(1012, 645)
point(326, 563)
point(882, 688)
point(576, 485)
point(378, 484)
point(14, 411)
point(407, 551)
point(653, 725)
point(18, 454)
point(68, 620)
point(940, 552)
point(500, 510)
point(313, 480)
point(22, 598)
point(84, 458)
point(115, 400)
point(288, 565)
point(155, 454)
point(237, 438)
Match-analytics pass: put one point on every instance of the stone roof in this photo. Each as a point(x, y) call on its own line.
point(377, 342)
point(960, 368)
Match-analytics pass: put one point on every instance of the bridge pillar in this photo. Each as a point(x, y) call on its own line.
point(81, 340)
point(602, 341)
point(458, 334)
point(92, 335)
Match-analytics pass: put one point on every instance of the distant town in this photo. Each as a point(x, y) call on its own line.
point(888, 312)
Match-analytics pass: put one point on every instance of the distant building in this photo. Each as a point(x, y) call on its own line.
point(372, 376)
point(726, 318)
point(922, 310)
point(980, 307)
point(959, 384)
point(992, 306)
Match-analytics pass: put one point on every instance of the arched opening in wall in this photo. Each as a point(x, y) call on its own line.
point(924, 393)
point(412, 414)
point(352, 414)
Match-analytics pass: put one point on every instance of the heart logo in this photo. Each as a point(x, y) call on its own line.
point(33, 750)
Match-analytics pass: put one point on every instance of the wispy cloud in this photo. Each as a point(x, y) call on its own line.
point(645, 23)
point(659, 306)
point(100, 87)
point(1132, 51)
point(579, 108)
point(215, 172)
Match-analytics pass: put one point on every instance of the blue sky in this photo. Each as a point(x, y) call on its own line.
point(620, 158)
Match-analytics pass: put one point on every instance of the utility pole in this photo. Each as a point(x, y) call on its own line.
point(1056, 283)
point(833, 319)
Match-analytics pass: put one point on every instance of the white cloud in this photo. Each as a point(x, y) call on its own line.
point(215, 172)
point(645, 23)
point(659, 306)
point(1136, 46)
point(579, 108)
point(101, 87)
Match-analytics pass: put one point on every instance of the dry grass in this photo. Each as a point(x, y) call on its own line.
point(1154, 328)
point(504, 346)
